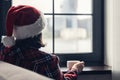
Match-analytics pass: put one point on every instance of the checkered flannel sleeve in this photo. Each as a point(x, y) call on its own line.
point(56, 72)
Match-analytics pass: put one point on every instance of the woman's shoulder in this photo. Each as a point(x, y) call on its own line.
point(38, 54)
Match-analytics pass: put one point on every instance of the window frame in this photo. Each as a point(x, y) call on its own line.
point(96, 58)
point(4, 6)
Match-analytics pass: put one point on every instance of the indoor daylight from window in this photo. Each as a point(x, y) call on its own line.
point(74, 30)
point(69, 25)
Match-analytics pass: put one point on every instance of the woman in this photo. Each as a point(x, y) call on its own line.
point(24, 25)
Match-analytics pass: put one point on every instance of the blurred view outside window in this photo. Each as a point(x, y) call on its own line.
point(70, 21)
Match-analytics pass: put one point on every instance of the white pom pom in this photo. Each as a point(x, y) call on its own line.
point(8, 41)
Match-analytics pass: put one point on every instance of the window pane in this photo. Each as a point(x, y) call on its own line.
point(47, 35)
point(73, 6)
point(43, 5)
point(73, 34)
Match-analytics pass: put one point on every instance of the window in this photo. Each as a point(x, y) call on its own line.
point(74, 30)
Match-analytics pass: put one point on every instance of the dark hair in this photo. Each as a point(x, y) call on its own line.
point(35, 41)
point(41, 40)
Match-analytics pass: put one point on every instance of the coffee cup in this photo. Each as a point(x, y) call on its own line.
point(70, 63)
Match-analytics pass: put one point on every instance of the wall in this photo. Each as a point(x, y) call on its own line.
point(112, 36)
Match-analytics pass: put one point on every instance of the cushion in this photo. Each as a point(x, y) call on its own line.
point(12, 72)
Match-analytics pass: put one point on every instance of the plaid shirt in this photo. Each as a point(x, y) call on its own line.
point(37, 61)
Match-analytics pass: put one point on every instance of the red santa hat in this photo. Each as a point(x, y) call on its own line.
point(22, 22)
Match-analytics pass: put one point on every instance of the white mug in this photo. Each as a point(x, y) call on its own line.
point(70, 63)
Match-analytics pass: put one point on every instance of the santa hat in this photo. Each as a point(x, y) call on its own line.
point(22, 22)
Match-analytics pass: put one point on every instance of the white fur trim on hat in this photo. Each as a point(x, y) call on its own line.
point(8, 41)
point(23, 32)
